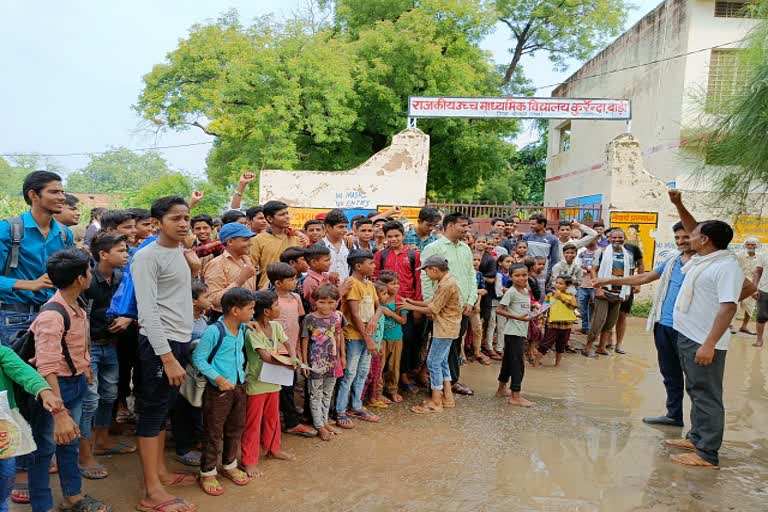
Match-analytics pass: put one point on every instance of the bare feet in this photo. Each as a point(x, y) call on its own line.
point(520, 401)
point(503, 393)
point(324, 434)
point(333, 430)
point(397, 398)
point(252, 470)
point(281, 455)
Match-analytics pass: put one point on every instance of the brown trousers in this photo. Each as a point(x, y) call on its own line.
point(393, 352)
point(223, 423)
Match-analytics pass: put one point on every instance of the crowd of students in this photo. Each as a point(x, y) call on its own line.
point(244, 328)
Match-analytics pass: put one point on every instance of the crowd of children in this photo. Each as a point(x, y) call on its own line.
point(241, 330)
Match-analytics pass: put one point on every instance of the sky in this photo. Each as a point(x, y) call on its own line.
point(72, 70)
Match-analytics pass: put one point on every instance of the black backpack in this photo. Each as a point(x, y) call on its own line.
point(24, 346)
point(16, 225)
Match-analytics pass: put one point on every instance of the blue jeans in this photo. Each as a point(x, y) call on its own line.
point(73, 391)
point(7, 478)
point(437, 362)
point(11, 325)
point(102, 394)
point(355, 374)
point(585, 297)
point(671, 371)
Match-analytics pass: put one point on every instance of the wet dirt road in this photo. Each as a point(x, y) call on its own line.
point(581, 448)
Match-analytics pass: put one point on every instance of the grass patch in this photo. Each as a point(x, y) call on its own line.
point(641, 308)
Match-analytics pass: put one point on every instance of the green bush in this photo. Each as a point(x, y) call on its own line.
point(11, 206)
point(641, 308)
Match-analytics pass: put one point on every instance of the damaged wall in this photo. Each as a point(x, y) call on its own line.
point(394, 175)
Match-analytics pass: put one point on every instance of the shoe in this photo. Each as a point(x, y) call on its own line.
point(663, 420)
point(302, 430)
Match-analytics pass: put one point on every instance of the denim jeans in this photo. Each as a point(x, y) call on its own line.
point(102, 394)
point(585, 297)
point(437, 362)
point(73, 391)
point(11, 325)
point(355, 375)
point(7, 478)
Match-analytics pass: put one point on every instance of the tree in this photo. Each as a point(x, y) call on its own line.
point(118, 170)
point(302, 94)
point(564, 29)
point(731, 138)
point(214, 201)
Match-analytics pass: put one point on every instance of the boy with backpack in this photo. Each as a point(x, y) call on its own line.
point(60, 334)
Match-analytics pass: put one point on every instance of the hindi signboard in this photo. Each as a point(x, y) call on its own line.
point(640, 230)
point(520, 107)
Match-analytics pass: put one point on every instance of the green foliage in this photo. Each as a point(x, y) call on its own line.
point(305, 95)
point(12, 173)
point(564, 29)
point(732, 137)
point(641, 308)
point(118, 170)
point(11, 205)
point(176, 183)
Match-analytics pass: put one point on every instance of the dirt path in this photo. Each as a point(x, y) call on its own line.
point(581, 448)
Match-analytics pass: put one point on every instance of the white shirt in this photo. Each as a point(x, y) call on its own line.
point(338, 259)
point(762, 262)
point(719, 283)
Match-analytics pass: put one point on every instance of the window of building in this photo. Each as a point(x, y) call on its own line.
point(564, 137)
point(726, 78)
point(731, 9)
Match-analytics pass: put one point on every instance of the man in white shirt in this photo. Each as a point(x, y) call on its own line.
point(712, 288)
point(335, 230)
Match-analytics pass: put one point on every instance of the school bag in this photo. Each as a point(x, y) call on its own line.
point(411, 261)
point(194, 385)
point(17, 235)
point(24, 346)
point(124, 300)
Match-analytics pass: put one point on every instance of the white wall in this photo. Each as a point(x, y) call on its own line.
point(395, 175)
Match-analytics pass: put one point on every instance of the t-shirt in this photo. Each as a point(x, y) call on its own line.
point(365, 294)
point(378, 336)
point(719, 283)
point(255, 340)
point(488, 269)
point(291, 310)
point(545, 245)
point(446, 309)
point(617, 270)
point(162, 280)
point(762, 262)
point(586, 260)
point(322, 352)
point(392, 330)
point(517, 303)
point(198, 327)
point(673, 289)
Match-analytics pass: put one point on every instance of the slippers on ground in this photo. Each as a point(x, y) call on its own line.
point(684, 444)
point(449, 404)
point(87, 504)
point(181, 479)
point(178, 503)
point(693, 459)
point(191, 458)
point(210, 487)
point(602, 352)
point(344, 421)
point(747, 331)
point(461, 389)
point(379, 404)
point(20, 493)
point(425, 408)
point(237, 476)
point(620, 351)
point(97, 472)
point(365, 415)
point(588, 353)
point(121, 448)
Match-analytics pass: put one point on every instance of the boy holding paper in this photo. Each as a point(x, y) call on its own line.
point(262, 412)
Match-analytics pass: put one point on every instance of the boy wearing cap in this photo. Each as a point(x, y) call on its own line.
point(233, 268)
point(445, 310)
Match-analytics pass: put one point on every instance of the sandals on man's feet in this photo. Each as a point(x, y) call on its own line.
point(87, 504)
point(693, 459)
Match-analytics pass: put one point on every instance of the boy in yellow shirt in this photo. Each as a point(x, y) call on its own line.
point(560, 321)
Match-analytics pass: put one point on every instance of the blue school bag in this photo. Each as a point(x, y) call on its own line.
point(124, 300)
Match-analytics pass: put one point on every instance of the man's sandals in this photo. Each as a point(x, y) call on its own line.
point(688, 459)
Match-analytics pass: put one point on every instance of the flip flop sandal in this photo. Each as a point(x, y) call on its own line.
point(211, 487)
point(691, 459)
point(121, 448)
point(449, 405)
point(424, 409)
point(379, 404)
point(344, 421)
point(747, 331)
point(461, 389)
point(182, 479)
point(97, 472)
point(20, 493)
point(237, 476)
point(620, 351)
point(365, 415)
point(87, 504)
point(164, 506)
point(589, 354)
point(602, 352)
point(683, 444)
point(483, 360)
point(190, 458)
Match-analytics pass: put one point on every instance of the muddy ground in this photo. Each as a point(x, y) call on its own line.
point(581, 448)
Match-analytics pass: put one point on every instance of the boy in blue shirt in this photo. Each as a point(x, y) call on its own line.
point(222, 360)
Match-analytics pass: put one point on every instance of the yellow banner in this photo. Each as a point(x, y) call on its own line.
point(745, 226)
point(301, 215)
point(409, 212)
point(639, 228)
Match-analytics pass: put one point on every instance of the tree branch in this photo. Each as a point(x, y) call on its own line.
point(205, 129)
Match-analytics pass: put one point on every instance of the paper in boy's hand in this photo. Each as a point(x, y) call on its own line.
point(282, 359)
